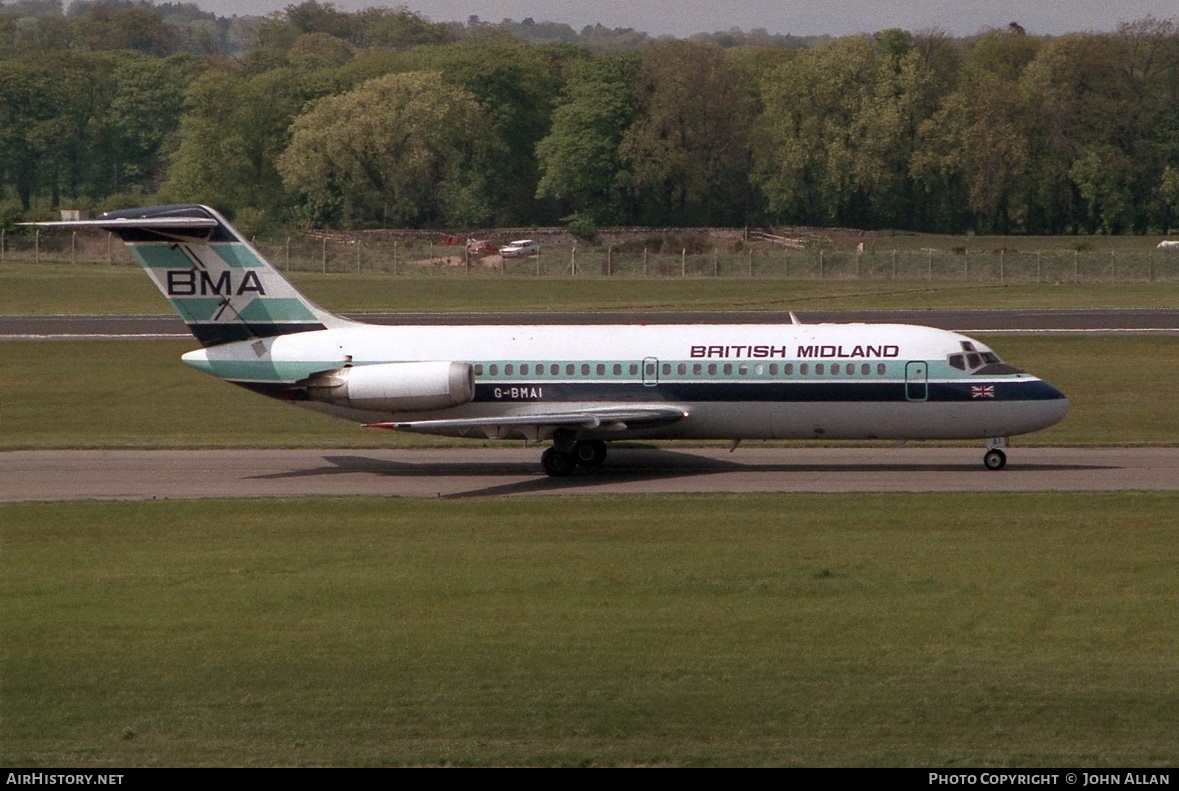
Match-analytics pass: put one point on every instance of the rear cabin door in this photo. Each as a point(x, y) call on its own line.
point(650, 371)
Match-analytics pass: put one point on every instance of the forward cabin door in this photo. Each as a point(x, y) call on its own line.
point(917, 380)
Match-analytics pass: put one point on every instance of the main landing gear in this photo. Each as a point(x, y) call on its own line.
point(995, 458)
point(566, 455)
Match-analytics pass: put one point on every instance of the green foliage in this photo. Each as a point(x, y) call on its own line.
point(1001, 132)
point(403, 149)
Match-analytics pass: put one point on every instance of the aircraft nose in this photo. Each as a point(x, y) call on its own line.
point(1054, 406)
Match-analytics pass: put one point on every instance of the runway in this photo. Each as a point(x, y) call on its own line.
point(515, 471)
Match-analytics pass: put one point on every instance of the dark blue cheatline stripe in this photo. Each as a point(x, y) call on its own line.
point(703, 392)
point(787, 392)
point(216, 334)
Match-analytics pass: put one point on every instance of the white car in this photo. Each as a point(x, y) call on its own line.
point(520, 249)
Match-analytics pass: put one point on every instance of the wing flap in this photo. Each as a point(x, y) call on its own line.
point(607, 418)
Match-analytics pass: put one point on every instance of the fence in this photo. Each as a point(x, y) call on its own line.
point(340, 253)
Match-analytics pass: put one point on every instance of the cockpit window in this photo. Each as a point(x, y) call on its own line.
point(972, 361)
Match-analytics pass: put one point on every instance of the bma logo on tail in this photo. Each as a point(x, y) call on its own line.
point(198, 282)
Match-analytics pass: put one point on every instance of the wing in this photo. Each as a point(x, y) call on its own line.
point(535, 426)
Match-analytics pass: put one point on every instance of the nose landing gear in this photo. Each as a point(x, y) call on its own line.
point(995, 458)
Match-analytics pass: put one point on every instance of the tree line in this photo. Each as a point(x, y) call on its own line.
point(382, 118)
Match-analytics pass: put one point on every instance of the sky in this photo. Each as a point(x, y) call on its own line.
point(797, 17)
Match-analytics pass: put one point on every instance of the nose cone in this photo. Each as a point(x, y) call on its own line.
point(1051, 406)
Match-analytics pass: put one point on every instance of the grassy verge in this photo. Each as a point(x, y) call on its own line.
point(95, 289)
point(1001, 630)
point(139, 394)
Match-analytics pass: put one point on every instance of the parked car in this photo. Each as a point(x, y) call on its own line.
point(520, 249)
point(481, 246)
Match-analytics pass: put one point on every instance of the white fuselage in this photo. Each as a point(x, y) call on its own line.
point(794, 381)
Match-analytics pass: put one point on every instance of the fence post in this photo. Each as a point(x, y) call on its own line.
point(966, 263)
point(287, 257)
point(2, 243)
point(1039, 277)
point(822, 265)
point(538, 249)
point(894, 264)
point(1002, 279)
point(323, 256)
point(750, 256)
point(37, 248)
point(1076, 253)
point(929, 252)
point(394, 256)
point(715, 268)
point(609, 260)
point(358, 256)
point(644, 262)
point(74, 248)
point(573, 261)
point(684, 262)
point(1149, 266)
point(1113, 271)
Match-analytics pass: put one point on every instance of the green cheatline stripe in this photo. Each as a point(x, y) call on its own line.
point(260, 370)
point(156, 255)
point(260, 310)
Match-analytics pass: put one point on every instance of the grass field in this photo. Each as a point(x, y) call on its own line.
point(92, 289)
point(940, 630)
point(139, 394)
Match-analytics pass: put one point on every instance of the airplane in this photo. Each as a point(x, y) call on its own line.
point(578, 387)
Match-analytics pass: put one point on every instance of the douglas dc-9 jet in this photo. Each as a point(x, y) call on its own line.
point(578, 387)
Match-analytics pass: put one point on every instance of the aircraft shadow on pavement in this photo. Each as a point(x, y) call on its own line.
point(624, 466)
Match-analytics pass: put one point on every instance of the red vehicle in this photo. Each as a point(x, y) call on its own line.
point(481, 246)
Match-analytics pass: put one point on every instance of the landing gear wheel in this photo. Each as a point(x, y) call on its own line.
point(557, 463)
point(995, 459)
point(590, 453)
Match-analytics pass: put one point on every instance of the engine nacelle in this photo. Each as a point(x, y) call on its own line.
point(395, 387)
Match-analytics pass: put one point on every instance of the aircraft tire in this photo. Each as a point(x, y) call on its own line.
point(590, 453)
point(995, 459)
point(558, 463)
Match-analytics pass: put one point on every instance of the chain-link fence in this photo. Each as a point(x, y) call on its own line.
point(417, 253)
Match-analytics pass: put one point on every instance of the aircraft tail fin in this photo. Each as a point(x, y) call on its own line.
point(219, 284)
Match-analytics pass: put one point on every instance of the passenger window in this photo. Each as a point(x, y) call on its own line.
point(835, 369)
point(819, 369)
point(618, 369)
point(554, 369)
point(802, 369)
point(601, 369)
point(759, 369)
point(585, 369)
point(851, 368)
point(788, 369)
point(697, 369)
point(478, 370)
point(681, 369)
point(509, 369)
point(666, 369)
point(494, 369)
point(743, 369)
point(865, 369)
point(728, 369)
point(880, 369)
point(773, 369)
point(634, 369)
point(524, 369)
point(712, 369)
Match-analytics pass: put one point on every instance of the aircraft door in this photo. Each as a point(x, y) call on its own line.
point(917, 380)
point(650, 371)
